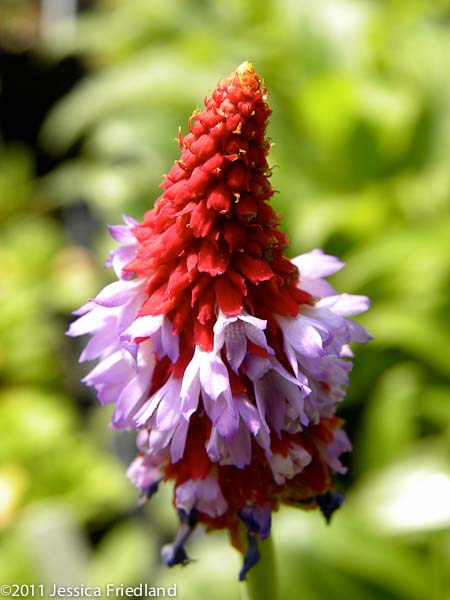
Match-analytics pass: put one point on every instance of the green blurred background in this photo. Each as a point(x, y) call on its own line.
point(92, 94)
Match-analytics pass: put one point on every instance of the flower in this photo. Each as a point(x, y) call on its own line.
point(228, 357)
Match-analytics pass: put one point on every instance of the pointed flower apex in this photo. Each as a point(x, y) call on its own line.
point(227, 357)
point(245, 67)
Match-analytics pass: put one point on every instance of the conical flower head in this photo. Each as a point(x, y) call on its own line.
point(212, 244)
point(226, 356)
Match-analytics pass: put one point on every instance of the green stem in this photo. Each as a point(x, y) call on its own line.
point(261, 581)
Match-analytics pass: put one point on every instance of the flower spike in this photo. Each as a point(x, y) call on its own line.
point(226, 356)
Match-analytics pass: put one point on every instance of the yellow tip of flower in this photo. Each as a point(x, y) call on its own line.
point(245, 67)
point(246, 73)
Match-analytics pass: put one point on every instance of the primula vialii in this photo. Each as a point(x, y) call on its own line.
point(226, 356)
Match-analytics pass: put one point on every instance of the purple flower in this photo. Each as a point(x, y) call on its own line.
point(228, 358)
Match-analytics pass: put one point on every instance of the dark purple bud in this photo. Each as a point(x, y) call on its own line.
point(257, 519)
point(251, 557)
point(173, 554)
point(329, 502)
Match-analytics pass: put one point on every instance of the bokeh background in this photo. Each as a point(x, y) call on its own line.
point(92, 94)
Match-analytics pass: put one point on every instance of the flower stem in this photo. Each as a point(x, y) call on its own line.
point(261, 581)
